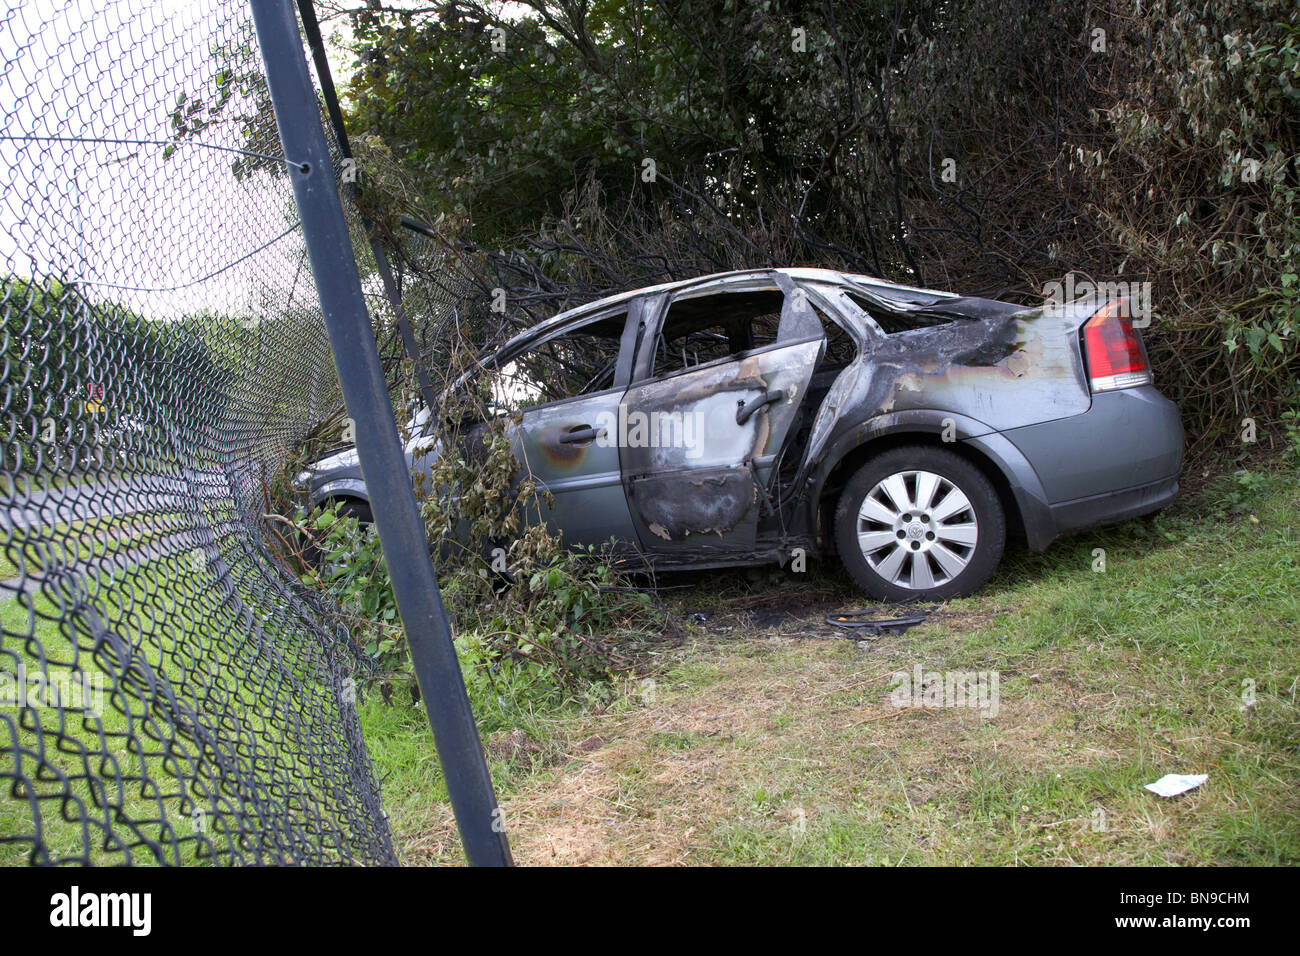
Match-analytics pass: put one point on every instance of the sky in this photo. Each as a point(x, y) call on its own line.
point(163, 235)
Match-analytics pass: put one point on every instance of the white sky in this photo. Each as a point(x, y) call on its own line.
point(165, 237)
point(182, 229)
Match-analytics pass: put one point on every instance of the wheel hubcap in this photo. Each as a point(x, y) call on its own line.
point(917, 529)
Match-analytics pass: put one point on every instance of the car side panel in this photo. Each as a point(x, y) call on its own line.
point(1012, 367)
point(584, 479)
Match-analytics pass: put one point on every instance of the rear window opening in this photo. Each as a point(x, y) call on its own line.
point(892, 323)
point(700, 330)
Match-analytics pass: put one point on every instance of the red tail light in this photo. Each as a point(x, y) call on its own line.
point(1113, 350)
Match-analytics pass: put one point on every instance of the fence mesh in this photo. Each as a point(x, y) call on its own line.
point(168, 691)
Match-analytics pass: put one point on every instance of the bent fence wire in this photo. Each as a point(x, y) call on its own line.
point(168, 692)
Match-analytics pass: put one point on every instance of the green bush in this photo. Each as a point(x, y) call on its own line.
point(545, 634)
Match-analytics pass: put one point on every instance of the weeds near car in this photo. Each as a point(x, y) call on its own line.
point(536, 625)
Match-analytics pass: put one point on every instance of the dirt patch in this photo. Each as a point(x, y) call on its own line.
point(509, 746)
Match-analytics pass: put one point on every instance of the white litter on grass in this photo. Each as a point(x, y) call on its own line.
point(1172, 784)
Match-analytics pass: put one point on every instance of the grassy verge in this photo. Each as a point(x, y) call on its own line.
point(49, 480)
point(67, 543)
point(68, 748)
point(133, 769)
point(768, 737)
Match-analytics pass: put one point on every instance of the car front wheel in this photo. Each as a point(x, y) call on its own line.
point(919, 524)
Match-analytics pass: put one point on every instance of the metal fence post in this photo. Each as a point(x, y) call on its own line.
point(383, 463)
point(311, 27)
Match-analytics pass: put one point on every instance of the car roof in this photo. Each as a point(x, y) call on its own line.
point(905, 295)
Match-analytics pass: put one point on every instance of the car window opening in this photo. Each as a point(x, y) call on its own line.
point(895, 322)
point(579, 361)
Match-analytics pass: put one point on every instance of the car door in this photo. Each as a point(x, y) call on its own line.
point(568, 445)
point(701, 435)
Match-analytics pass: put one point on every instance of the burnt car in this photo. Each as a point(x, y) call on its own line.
point(777, 415)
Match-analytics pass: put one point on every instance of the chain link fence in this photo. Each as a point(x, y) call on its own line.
point(169, 693)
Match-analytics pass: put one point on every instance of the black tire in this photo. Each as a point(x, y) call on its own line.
point(348, 508)
point(891, 561)
point(354, 508)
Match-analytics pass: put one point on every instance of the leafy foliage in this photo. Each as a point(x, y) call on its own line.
point(1203, 128)
point(536, 624)
point(85, 378)
point(986, 147)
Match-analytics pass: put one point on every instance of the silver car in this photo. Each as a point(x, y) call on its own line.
point(778, 415)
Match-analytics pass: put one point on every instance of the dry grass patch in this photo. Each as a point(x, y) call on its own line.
point(770, 737)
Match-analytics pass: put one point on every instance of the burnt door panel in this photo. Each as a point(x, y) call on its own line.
point(569, 446)
point(570, 450)
point(697, 446)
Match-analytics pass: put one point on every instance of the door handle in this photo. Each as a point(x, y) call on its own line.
point(581, 435)
point(746, 410)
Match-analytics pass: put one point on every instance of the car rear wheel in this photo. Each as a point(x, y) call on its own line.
point(919, 523)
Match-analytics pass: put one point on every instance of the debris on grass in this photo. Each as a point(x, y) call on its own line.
point(1172, 784)
point(858, 621)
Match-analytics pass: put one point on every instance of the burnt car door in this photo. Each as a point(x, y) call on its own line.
point(719, 377)
point(566, 389)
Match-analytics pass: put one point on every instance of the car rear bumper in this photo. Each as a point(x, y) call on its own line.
point(1118, 460)
point(1112, 506)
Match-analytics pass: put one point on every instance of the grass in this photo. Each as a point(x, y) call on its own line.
point(129, 772)
point(766, 736)
point(63, 836)
point(67, 543)
point(48, 480)
point(770, 738)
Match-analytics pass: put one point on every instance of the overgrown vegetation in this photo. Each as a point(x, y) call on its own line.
point(537, 625)
point(986, 147)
